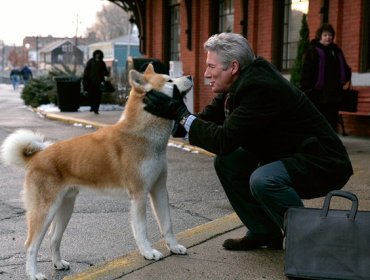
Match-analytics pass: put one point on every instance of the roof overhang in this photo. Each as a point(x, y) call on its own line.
point(137, 9)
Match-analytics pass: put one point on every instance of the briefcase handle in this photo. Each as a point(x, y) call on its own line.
point(350, 196)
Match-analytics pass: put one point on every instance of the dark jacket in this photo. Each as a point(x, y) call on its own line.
point(26, 73)
point(276, 121)
point(324, 72)
point(94, 74)
point(15, 72)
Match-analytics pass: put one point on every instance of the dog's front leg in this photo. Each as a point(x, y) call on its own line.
point(139, 227)
point(160, 203)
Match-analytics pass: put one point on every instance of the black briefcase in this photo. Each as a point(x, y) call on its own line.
point(327, 243)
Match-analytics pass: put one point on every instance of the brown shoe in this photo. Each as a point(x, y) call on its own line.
point(247, 243)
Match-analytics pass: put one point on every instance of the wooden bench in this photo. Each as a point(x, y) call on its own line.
point(357, 123)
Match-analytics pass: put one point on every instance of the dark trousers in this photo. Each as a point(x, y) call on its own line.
point(260, 195)
point(94, 95)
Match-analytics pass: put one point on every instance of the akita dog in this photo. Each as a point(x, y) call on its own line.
point(127, 157)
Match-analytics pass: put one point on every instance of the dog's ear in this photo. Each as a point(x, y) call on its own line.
point(137, 80)
point(149, 69)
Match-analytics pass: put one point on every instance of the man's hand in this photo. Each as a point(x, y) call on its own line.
point(166, 107)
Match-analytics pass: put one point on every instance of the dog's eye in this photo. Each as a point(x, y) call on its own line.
point(170, 81)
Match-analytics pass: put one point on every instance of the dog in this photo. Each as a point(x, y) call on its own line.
point(128, 157)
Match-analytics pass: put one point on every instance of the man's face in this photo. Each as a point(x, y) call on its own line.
point(220, 80)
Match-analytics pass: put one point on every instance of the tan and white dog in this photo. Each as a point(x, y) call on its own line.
point(127, 157)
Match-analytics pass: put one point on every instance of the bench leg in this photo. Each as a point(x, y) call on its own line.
point(341, 122)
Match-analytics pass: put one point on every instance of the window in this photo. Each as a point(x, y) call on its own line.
point(226, 16)
point(175, 30)
point(222, 16)
point(365, 67)
point(244, 21)
point(293, 11)
point(324, 11)
point(67, 48)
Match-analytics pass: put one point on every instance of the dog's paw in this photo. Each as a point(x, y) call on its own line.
point(38, 276)
point(61, 265)
point(178, 250)
point(153, 255)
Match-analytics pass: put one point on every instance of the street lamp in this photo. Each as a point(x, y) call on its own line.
point(27, 46)
point(131, 21)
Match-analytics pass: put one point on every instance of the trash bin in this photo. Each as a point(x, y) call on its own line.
point(68, 93)
point(140, 64)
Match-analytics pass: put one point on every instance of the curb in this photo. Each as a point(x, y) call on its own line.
point(133, 261)
point(71, 120)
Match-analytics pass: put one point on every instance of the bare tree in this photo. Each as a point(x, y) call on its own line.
point(111, 22)
point(18, 56)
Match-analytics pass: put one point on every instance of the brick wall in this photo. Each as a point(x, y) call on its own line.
point(343, 14)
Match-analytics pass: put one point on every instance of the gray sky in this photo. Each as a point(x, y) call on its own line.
point(58, 18)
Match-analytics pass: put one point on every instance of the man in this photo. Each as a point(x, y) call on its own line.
point(15, 77)
point(26, 74)
point(273, 147)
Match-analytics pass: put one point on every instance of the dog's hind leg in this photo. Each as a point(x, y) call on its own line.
point(160, 204)
point(41, 210)
point(139, 227)
point(58, 226)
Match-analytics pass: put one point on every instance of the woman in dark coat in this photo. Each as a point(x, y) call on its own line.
point(324, 73)
point(273, 147)
point(94, 74)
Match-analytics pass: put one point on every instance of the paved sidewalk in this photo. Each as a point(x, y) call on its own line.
point(206, 259)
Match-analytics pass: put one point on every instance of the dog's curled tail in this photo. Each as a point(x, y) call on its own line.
point(20, 146)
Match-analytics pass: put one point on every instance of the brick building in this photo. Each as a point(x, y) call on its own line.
point(172, 30)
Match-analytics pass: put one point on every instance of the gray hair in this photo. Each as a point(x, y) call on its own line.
point(229, 47)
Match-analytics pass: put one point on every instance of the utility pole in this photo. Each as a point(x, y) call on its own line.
point(75, 47)
point(37, 54)
point(3, 55)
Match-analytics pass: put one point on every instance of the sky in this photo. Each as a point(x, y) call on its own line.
point(21, 18)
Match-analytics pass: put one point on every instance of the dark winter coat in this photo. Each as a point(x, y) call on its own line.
point(94, 74)
point(324, 72)
point(276, 121)
point(15, 72)
point(26, 73)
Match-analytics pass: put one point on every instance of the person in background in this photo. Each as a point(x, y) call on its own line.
point(15, 77)
point(324, 73)
point(273, 147)
point(94, 74)
point(26, 74)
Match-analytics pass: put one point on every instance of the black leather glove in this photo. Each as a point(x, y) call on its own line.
point(166, 107)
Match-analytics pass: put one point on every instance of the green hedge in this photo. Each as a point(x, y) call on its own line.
point(303, 45)
point(40, 91)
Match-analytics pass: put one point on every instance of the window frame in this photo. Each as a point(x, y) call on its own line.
point(226, 11)
point(175, 30)
point(365, 44)
point(288, 46)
